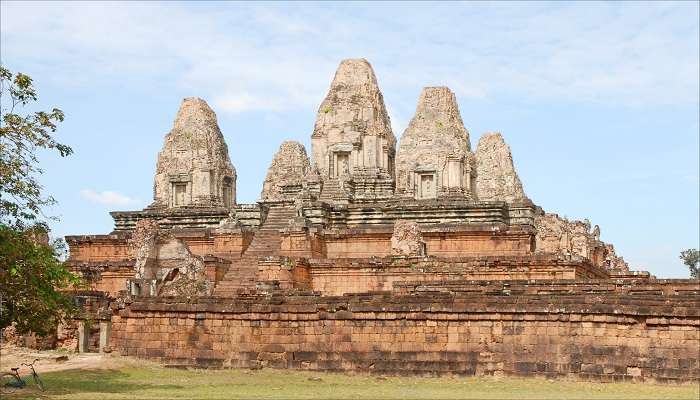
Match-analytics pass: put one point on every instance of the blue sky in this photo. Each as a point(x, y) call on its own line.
point(598, 101)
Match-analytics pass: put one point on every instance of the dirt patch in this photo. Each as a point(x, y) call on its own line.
point(56, 360)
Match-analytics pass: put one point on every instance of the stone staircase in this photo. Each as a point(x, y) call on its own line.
point(266, 242)
point(333, 192)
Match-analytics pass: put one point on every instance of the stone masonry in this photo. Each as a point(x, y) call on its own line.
point(286, 175)
point(598, 336)
point(434, 157)
point(193, 167)
point(352, 139)
point(437, 263)
point(496, 178)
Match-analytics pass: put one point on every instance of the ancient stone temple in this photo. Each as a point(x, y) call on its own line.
point(429, 261)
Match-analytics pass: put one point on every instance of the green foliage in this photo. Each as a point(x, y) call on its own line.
point(31, 282)
point(21, 135)
point(326, 109)
point(691, 258)
point(31, 274)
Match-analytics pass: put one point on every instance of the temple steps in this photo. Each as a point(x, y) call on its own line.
point(267, 242)
point(332, 191)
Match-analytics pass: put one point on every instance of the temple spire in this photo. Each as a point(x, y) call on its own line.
point(193, 167)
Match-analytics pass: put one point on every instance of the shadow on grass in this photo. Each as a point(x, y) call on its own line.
point(86, 381)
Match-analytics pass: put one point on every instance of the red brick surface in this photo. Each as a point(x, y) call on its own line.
point(517, 329)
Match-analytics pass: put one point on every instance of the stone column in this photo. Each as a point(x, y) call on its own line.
point(83, 335)
point(105, 334)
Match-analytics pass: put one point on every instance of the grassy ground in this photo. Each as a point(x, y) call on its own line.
point(148, 381)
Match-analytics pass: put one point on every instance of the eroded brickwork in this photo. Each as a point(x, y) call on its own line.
point(612, 338)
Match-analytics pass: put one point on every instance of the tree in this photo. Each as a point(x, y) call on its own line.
point(21, 199)
point(691, 258)
point(32, 282)
point(32, 277)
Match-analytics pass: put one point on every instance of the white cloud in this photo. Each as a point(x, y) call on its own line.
point(281, 57)
point(108, 198)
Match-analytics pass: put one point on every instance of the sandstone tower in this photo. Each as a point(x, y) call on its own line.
point(352, 144)
point(496, 179)
point(434, 158)
point(194, 169)
point(285, 177)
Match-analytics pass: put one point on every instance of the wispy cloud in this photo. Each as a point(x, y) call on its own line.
point(108, 198)
point(279, 58)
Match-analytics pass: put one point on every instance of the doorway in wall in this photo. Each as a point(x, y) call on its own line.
point(426, 189)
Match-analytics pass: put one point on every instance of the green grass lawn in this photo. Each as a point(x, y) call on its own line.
point(153, 382)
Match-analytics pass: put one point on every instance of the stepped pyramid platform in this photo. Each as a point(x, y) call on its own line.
point(421, 256)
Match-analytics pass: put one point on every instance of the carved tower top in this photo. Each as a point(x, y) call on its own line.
point(434, 157)
point(193, 167)
point(352, 134)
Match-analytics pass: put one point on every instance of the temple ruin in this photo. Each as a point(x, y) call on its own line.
point(426, 259)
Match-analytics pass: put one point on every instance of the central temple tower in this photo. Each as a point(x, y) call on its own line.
point(434, 158)
point(352, 145)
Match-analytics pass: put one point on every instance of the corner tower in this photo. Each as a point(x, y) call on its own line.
point(353, 145)
point(496, 178)
point(194, 169)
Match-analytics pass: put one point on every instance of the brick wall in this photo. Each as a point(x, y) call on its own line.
point(113, 248)
point(358, 275)
point(377, 242)
point(110, 277)
point(98, 247)
point(472, 243)
point(613, 336)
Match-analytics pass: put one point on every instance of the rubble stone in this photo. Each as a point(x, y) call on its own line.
point(168, 260)
point(193, 167)
point(613, 262)
point(560, 236)
point(496, 179)
point(407, 239)
point(434, 157)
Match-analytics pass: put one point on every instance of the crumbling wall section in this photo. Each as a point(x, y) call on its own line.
point(575, 239)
